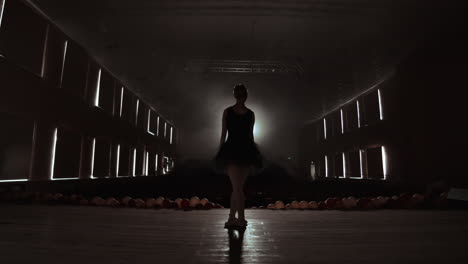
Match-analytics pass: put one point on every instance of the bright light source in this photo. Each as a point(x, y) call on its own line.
point(157, 127)
point(165, 128)
point(121, 100)
point(326, 166)
point(156, 163)
point(92, 157)
point(118, 161)
point(325, 128)
point(2, 6)
point(64, 179)
point(312, 170)
point(20, 180)
point(257, 130)
point(146, 163)
point(380, 104)
point(358, 114)
point(54, 147)
point(134, 162)
point(136, 114)
point(342, 121)
point(344, 164)
point(384, 162)
point(361, 162)
point(170, 137)
point(65, 46)
point(44, 50)
point(98, 87)
point(149, 123)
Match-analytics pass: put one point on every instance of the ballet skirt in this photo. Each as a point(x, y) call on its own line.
point(239, 148)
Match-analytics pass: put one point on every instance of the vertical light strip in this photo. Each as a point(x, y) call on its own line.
point(358, 114)
point(380, 104)
point(344, 164)
point(149, 118)
point(134, 162)
point(98, 87)
point(52, 161)
point(146, 163)
point(384, 162)
point(2, 6)
point(156, 164)
point(170, 137)
point(326, 166)
point(325, 128)
point(121, 100)
point(149, 123)
point(342, 121)
point(65, 46)
point(136, 114)
point(14, 180)
point(157, 127)
point(165, 128)
point(118, 161)
point(92, 157)
point(360, 164)
point(44, 51)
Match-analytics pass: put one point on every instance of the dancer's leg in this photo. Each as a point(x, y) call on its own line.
point(231, 171)
point(242, 174)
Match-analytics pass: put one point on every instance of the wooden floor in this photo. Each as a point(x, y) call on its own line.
point(67, 234)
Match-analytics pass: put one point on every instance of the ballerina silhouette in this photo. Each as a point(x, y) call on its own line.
point(239, 154)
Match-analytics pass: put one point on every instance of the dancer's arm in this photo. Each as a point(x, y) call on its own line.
point(223, 129)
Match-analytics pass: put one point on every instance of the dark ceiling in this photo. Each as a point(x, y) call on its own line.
point(337, 43)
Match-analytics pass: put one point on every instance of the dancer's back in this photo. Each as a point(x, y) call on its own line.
point(239, 125)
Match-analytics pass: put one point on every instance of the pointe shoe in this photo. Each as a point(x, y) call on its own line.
point(241, 223)
point(230, 222)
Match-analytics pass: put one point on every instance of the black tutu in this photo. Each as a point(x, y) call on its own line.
point(244, 153)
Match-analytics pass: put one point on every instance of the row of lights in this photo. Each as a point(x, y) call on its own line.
point(384, 152)
point(96, 103)
point(361, 164)
point(381, 116)
point(165, 170)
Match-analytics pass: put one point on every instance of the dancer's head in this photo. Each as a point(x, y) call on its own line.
point(240, 92)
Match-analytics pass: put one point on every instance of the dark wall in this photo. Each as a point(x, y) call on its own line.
point(423, 129)
point(61, 112)
point(432, 111)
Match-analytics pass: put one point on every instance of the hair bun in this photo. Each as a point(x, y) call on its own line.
point(240, 87)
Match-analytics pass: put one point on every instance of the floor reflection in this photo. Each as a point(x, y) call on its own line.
point(236, 239)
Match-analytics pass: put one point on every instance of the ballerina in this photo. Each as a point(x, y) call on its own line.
point(239, 154)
